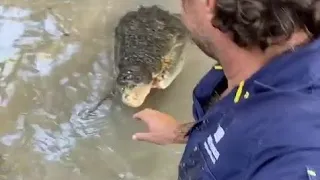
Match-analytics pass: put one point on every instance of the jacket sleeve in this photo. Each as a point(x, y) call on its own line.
point(299, 165)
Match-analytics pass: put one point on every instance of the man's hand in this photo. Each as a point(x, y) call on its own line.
point(162, 128)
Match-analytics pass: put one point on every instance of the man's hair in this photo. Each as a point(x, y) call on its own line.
point(255, 22)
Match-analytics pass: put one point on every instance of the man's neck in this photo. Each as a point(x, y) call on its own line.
point(240, 67)
point(239, 64)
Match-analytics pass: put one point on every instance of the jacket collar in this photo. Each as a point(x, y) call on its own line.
point(290, 71)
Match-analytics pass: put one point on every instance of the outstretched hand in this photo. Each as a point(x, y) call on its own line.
point(162, 128)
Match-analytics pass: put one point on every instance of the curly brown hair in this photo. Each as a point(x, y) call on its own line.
point(255, 22)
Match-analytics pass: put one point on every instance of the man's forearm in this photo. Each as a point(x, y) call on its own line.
point(182, 131)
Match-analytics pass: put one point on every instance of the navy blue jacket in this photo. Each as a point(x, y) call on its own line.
point(267, 128)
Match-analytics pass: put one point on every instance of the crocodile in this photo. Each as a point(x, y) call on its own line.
point(148, 52)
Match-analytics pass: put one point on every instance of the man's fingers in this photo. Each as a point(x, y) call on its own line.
point(144, 137)
point(150, 138)
point(144, 115)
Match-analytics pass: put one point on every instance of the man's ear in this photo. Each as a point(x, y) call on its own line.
point(211, 4)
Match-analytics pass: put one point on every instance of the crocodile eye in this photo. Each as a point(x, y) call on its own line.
point(137, 79)
point(127, 77)
point(122, 80)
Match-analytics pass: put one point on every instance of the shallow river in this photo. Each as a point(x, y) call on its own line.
point(55, 60)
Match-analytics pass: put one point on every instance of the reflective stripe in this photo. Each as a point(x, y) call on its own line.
point(217, 67)
point(209, 152)
point(213, 148)
point(219, 134)
point(312, 173)
point(246, 95)
point(239, 92)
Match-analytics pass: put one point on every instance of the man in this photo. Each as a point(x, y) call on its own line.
point(257, 116)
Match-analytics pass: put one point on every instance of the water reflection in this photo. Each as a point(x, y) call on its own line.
point(53, 145)
point(55, 61)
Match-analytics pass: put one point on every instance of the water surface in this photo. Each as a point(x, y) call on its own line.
point(55, 60)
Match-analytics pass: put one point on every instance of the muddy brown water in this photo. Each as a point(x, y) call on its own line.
point(55, 60)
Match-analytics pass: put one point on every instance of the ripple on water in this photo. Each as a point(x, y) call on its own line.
point(53, 144)
point(7, 49)
point(88, 125)
point(14, 137)
point(46, 80)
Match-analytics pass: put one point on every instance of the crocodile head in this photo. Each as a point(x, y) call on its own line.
point(135, 83)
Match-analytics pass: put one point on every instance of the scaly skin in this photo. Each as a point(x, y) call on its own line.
point(144, 40)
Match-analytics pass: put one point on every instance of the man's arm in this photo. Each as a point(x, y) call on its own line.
point(182, 131)
point(162, 128)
